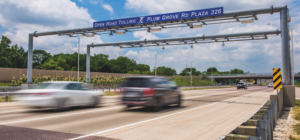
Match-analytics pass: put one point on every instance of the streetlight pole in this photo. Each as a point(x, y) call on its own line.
point(211, 74)
point(191, 75)
point(78, 58)
point(156, 61)
point(229, 79)
point(293, 57)
point(293, 73)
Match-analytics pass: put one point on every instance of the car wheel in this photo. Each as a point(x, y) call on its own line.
point(179, 101)
point(157, 104)
point(129, 106)
point(62, 104)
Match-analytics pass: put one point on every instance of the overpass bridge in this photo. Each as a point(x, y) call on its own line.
point(246, 76)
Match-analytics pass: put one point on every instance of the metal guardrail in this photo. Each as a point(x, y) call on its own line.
point(8, 91)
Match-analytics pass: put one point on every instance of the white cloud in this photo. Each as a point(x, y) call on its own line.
point(168, 6)
point(108, 7)
point(253, 56)
point(144, 35)
point(46, 15)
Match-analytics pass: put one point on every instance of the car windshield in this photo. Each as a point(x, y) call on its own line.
point(136, 82)
point(51, 85)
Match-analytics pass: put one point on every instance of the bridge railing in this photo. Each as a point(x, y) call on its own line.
point(245, 74)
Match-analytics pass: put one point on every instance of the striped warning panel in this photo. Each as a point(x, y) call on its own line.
point(277, 78)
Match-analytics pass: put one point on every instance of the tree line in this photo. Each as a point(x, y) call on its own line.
point(13, 56)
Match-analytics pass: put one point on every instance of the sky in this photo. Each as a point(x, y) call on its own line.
point(19, 18)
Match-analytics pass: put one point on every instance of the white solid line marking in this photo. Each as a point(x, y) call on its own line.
point(158, 118)
point(209, 95)
point(212, 90)
point(12, 111)
point(213, 94)
point(61, 115)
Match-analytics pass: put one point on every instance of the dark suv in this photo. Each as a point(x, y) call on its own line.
point(241, 85)
point(149, 91)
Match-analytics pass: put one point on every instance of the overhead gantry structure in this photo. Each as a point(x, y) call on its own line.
point(181, 41)
point(243, 16)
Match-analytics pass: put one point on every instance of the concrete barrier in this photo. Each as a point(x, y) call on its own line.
point(259, 127)
point(289, 95)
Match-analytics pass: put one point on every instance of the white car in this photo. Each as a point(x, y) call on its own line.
point(60, 95)
point(270, 85)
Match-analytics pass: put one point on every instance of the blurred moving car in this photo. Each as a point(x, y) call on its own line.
point(150, 91)
point(270, 85)
point(212, 84)
point(59, 95)
point(241, 85)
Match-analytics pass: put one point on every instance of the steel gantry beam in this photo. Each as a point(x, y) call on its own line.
point(243, 16)
point(190, 40)
point(180, 41)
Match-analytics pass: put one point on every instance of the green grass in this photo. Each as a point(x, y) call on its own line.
point(205, 88)
point(2, 99)
point(195, 82)
point(296, 110)
point(297, 84)
point(112, 93)
point(296, 115)
point(5, 84)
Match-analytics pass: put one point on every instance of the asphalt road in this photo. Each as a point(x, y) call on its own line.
point(205, 114)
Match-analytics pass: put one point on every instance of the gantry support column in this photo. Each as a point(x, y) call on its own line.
point(285, 47)
point(29, 61)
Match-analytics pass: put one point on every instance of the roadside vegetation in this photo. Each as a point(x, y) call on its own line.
point(206, 88)
point(5, 84)
point(297, 84)
point(296, 116)
point(10, 99)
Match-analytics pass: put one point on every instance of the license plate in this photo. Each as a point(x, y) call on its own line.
point(131, 94)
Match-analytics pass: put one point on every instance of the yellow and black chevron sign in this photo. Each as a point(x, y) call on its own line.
point(277, 78)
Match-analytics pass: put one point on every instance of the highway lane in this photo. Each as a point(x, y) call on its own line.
point(25, 114)
point(112, 115)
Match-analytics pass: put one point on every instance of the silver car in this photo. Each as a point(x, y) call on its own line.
point(59, 94)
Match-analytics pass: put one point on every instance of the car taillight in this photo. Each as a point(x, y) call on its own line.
point(148, 92)
point(122, 90)
point(43, 93)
